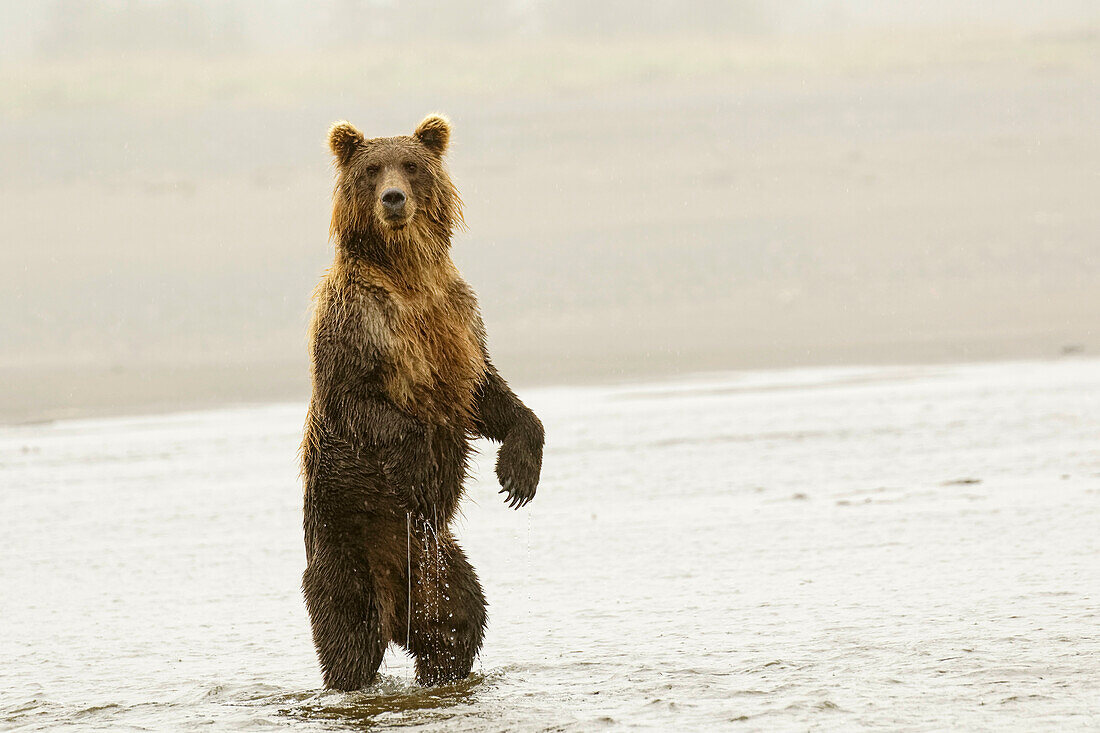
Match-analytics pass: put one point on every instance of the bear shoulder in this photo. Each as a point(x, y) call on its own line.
point(351, 322)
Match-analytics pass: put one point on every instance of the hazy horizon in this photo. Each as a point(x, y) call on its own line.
point(70, 28)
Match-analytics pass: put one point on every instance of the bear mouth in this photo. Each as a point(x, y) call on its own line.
point(395, 222)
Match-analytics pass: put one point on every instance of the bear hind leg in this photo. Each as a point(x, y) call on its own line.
point(347, 630)
point(447, 622)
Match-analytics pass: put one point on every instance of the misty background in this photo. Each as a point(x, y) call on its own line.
point(651, 188)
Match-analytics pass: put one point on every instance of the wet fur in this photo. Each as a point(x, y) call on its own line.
point(402, 381)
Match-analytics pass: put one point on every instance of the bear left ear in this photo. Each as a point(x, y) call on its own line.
point(434, 132)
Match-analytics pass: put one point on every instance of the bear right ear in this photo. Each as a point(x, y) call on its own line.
point(343, 139)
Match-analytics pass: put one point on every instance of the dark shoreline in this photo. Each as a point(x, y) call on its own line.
point(54, 394)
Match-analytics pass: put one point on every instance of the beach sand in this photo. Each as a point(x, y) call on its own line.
point(635, 208)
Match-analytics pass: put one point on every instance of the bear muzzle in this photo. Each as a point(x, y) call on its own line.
point(394, 199)
point(395, 208)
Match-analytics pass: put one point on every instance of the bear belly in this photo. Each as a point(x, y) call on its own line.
point(348, 489)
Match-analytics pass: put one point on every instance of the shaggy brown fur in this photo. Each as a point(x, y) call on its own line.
point(401, 382)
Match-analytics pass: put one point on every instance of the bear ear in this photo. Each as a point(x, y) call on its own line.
point(343, 139)
point(434, 132)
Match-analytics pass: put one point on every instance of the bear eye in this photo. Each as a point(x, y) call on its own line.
point(372, 170)
point(410, 167)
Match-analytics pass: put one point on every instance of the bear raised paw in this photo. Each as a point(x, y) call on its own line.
point(402, 381)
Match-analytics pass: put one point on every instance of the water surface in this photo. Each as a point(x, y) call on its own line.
point(825, 548)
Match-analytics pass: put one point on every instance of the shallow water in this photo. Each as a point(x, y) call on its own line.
point(826, 548)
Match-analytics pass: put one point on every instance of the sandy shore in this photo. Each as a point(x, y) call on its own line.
point(633, 211)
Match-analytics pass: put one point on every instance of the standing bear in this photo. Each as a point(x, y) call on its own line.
point(402, 382)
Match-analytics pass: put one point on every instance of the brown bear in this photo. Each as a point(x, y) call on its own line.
point(402, 382)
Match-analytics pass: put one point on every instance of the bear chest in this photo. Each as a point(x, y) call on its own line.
point(432, 357)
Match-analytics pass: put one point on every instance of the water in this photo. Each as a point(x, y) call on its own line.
point(907, 548)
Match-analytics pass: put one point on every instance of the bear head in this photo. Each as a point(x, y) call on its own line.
point(394, 201)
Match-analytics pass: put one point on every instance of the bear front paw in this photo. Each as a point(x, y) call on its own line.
point(518, 468)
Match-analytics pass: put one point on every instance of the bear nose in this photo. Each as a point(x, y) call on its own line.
point(393, 199)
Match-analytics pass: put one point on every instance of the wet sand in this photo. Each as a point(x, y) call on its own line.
point(634, 210)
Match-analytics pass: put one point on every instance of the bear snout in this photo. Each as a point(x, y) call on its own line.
point(393, 200)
